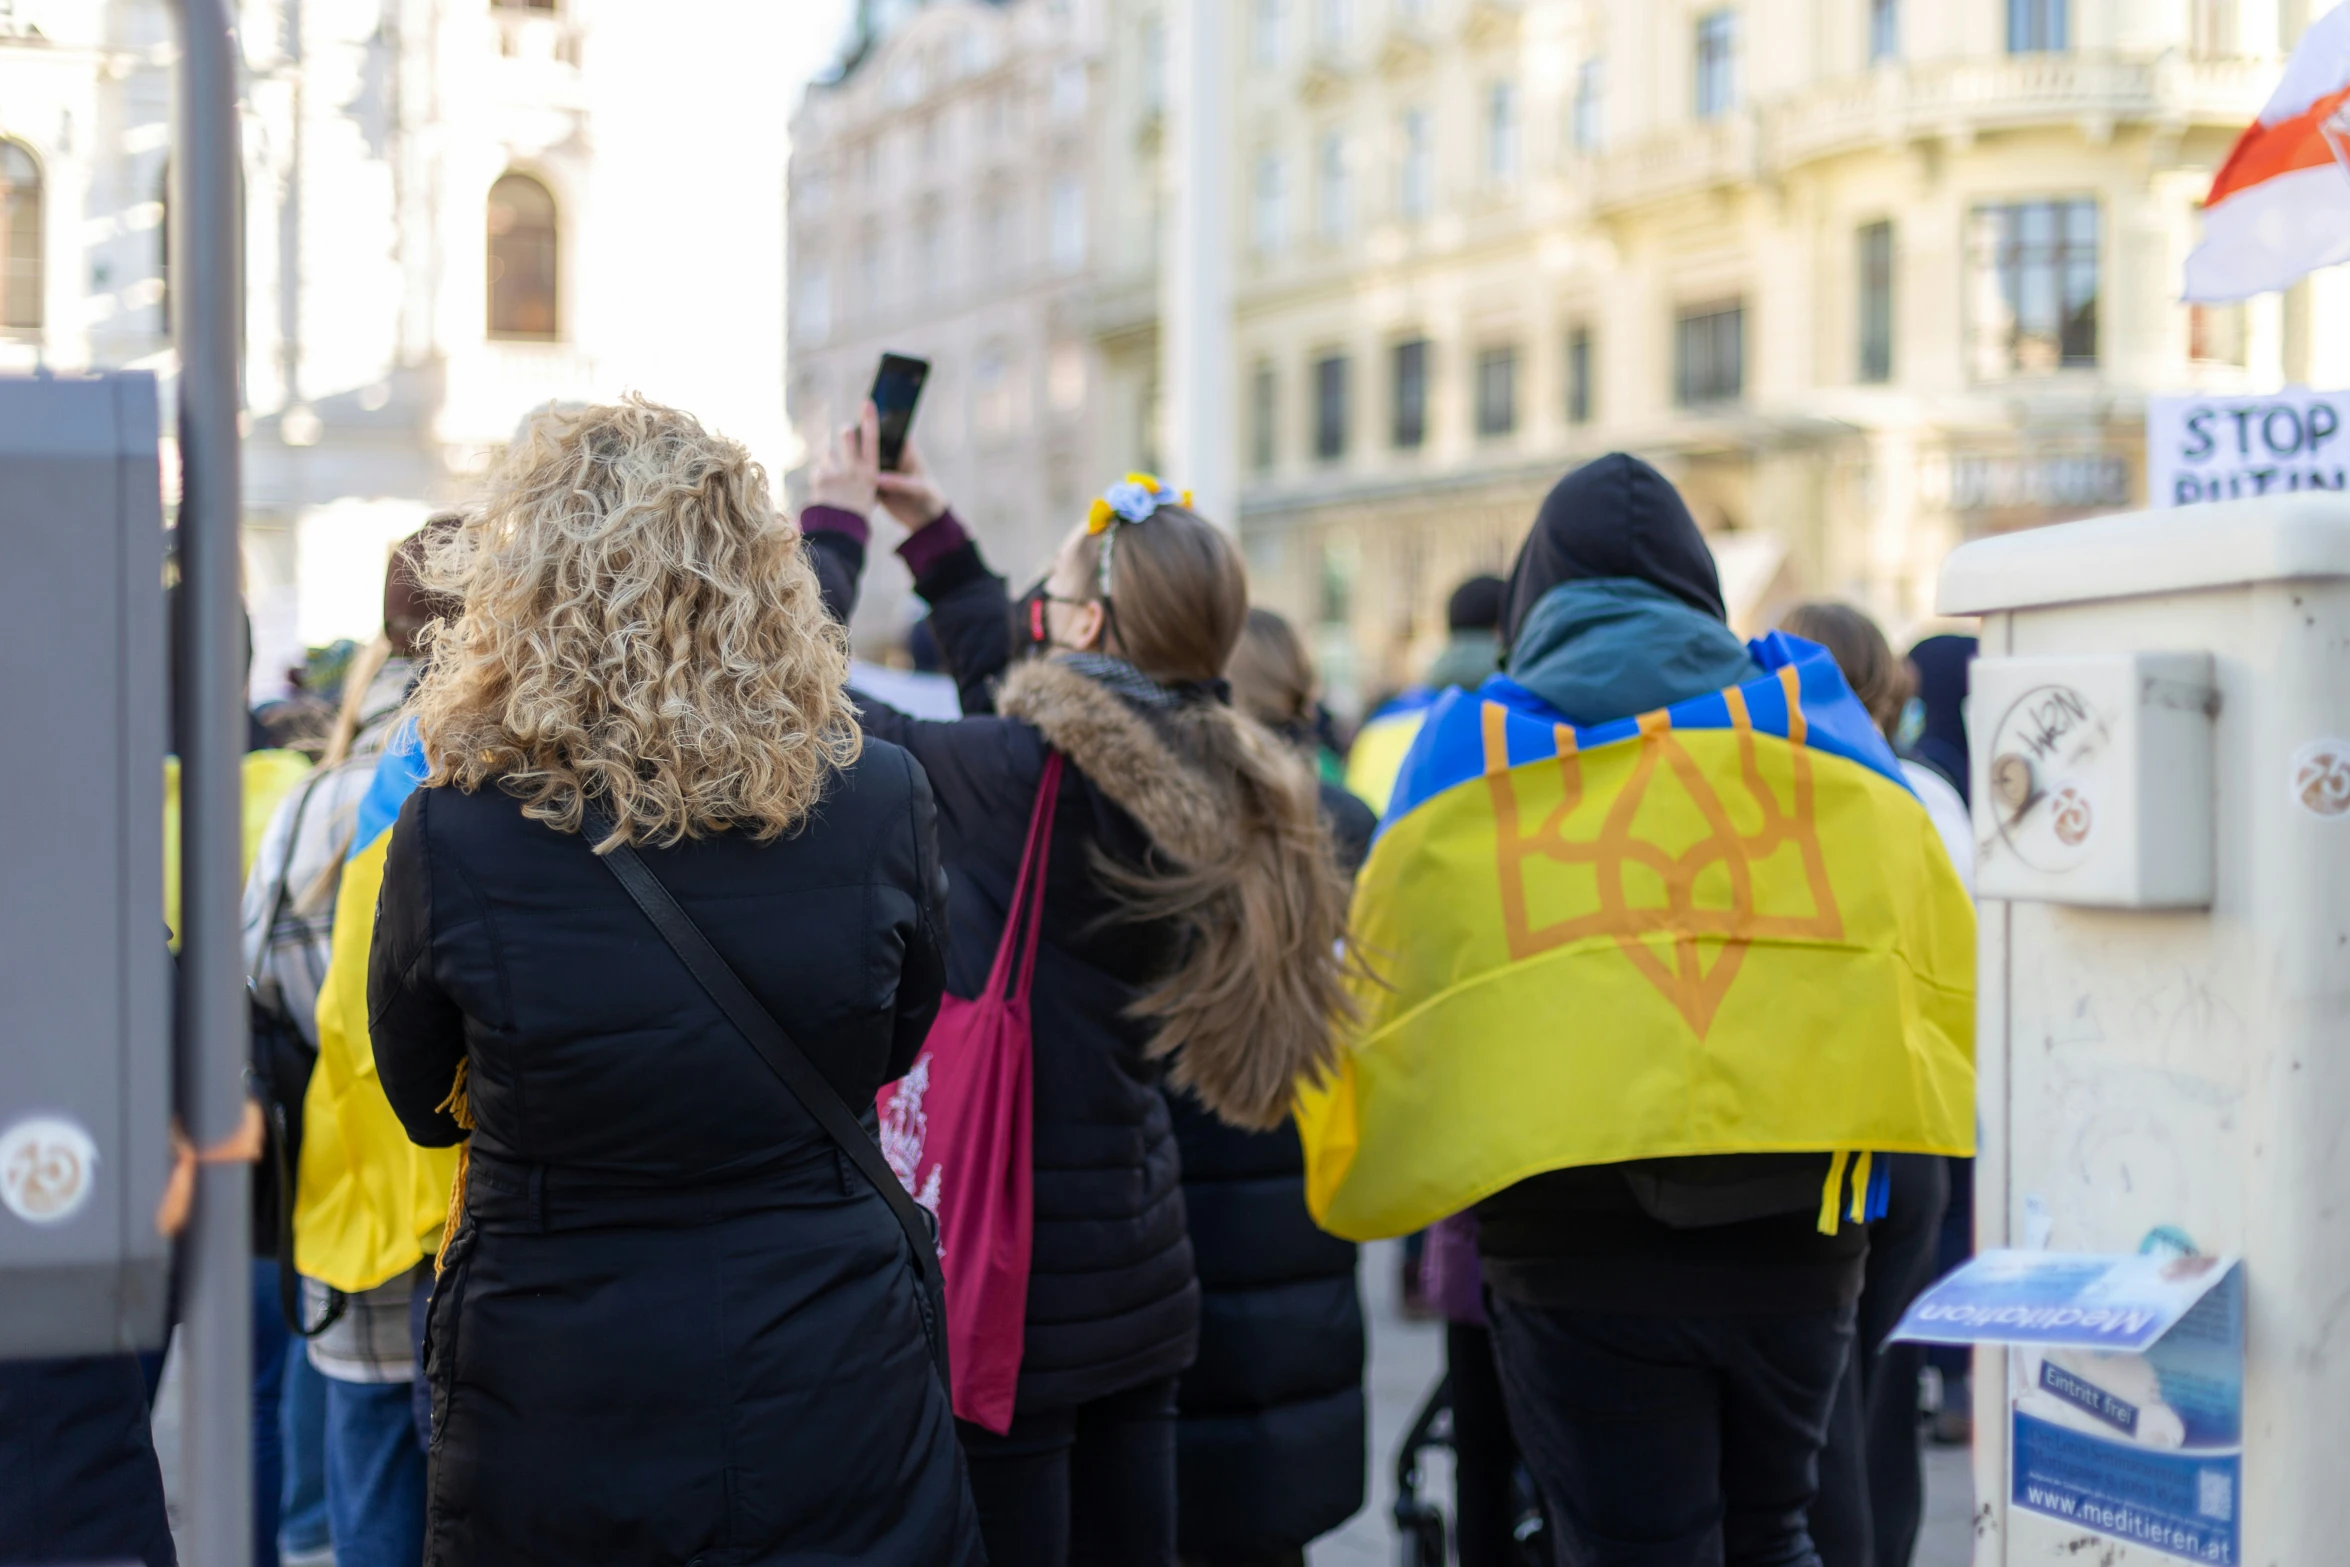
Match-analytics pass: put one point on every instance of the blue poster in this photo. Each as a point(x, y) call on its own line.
point(2051, 1297)
point(2126, 1388)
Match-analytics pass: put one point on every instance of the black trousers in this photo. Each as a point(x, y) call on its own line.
point(1872, 1484)
point(1485, 1455)
point(78, 1478)
point(1092, 1486)
point(1673, 1441)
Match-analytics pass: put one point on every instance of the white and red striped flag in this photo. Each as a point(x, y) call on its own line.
point(2280, 208)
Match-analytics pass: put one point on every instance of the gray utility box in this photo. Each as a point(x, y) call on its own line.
point(85, 972)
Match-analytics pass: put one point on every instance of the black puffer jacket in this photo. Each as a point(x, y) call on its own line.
point(1270, 1453)
point(1112, 1299)
point(676, 1326)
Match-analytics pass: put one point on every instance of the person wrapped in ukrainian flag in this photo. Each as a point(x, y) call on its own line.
point(1666, 957)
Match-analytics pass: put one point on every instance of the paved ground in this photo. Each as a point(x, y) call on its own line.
point(1405, 1360)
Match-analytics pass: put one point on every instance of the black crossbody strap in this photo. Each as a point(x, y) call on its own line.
point(788, 1062)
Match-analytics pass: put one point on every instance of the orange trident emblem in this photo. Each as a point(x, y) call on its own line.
point(1666, 906)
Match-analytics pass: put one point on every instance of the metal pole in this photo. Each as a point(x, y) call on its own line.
point(216, 1329)
point(1195, 299)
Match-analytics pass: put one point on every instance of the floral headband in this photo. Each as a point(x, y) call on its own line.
point(1136, 498)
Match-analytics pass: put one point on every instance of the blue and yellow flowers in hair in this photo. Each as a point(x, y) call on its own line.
point(1135, 498)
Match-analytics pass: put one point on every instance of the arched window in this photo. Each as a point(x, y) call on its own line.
point(20, 238)
point(522, 258)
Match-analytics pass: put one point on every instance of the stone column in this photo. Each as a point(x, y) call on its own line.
point(1195, 279)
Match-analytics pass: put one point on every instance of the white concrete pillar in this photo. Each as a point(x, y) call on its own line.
point(1196, 374)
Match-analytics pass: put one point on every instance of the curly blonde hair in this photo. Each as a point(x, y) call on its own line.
point(639, 630)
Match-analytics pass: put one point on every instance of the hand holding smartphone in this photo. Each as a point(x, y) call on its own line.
point(897, 386)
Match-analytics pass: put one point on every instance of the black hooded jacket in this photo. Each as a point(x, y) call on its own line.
point(1941, 663)
point(1699, 1235)
point(1612, 517)
point(1269, 1453)
point(1113, 1299)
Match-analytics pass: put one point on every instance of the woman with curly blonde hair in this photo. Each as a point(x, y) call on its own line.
point(674, 1324)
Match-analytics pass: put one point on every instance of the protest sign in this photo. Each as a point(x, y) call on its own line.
point(2233, 448)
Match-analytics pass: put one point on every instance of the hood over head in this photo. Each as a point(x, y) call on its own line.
point(1613, 517)
point(1941, 663)
point(1610, 648)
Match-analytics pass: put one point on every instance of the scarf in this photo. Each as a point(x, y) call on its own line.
point(1131, 683)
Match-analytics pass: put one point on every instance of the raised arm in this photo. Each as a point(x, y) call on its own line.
point(970, 609)
point(980, 766)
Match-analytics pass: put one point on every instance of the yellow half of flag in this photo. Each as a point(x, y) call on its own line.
point(1724, 927)
point(370, 1203)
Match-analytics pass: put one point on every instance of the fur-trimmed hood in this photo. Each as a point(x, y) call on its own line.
point(1250, 874)
point(1128, 757)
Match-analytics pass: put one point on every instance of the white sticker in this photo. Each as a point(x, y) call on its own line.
point(48, 1167)
point(2321, 778)
point(2047, 754)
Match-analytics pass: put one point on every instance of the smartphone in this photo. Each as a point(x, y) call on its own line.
point(897, 386)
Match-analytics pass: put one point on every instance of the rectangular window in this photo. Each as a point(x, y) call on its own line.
point(1068, 90)
point(995, 236)
point(1591, 106)
point(1270, 17)
point(2039, 26)
point(1333, 24)
point(1709, 354)
point(2035, 287)
point(1411, 395)
point(1579, 388)
point(813, 304)
point(1876, 302)
point(2215, 334)
point(1068, 233)
point(1154, 65)
point(930, 280)
point(1330, 407)
point(1272, 214)
point(1501, 132)
point(873, 276)
point(1415, 192)
point(1884, 30)
point(2218, 36)
point(1717, 64)
point(1263, 411)
point(1497, 391)
point(1331, 194)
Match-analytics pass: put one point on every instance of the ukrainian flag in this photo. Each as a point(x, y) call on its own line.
point(369, 1203)
point(1380, 746)
point(1723, 927)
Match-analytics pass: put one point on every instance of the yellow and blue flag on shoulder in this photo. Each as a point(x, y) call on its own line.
point(1726, 926)
point(370, 1204)
point(1380, 746)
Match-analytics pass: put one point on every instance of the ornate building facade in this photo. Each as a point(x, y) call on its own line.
point(1867, 277)
point(943, 190)
point(453, 214)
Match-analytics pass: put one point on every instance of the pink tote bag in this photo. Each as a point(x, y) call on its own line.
point(958, 1128)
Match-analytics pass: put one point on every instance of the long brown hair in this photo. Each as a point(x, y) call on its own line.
point(1272, 678)
point(1177, 594)
point(1258, 995)
point(1860, 650)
